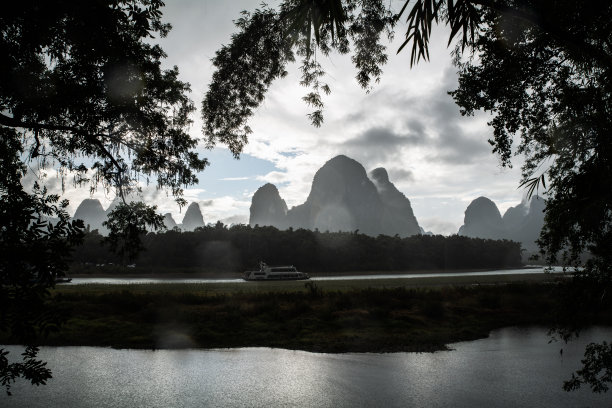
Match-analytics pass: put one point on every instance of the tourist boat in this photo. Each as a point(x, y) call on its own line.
point(266, 272)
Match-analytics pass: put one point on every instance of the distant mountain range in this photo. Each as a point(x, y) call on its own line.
point(93, 215)
point(342, 198)
point(522, 223)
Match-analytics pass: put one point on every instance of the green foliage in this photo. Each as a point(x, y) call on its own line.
point(268, 39)
point(82, 80)
point(36, 239)
point(127, 223)
point(256, 56)
point(433, 308)
point(596, 370)
point(459, 15)
point(217, 248)
point(313, 289)
point(542, 69)
point(30, 369)
point(83, 91)
point(544, 73)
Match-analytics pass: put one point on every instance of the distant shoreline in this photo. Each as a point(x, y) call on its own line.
point(238, 275)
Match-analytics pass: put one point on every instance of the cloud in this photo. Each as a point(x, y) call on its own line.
point(274, 177)
point(416, 126)
point(400, 175)
point(234, 178)
point(454, 144)
point(378, 145)
point(455, 147)
point(383, 138)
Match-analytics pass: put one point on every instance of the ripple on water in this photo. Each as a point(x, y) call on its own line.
point(513, 367)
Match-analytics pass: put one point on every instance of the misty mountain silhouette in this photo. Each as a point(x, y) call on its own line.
point(113, 205)
point(521, 223)
point(524, 223)
point(342, 198)
point(482, 220)
point(397, 213)
point(267, 206)
point(169, 221)
point(193, 218)
point(93, 215)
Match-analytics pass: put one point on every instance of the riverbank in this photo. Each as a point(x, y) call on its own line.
point(342, 283)
point(312, 316)
point(195, 273)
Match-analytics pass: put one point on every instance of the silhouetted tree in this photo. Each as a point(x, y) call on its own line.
point(127, 224)
point(83, 90)
point(34, 251)
point(217, 248)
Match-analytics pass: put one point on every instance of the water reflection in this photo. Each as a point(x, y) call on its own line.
point(511, 368)
point(131, 281)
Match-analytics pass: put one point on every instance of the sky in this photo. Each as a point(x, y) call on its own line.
point(407, 124)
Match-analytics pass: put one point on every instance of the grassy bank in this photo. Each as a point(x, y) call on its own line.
point(297, 315)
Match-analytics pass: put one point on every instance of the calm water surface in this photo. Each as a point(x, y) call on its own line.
point(119, 281)
point(511, 368)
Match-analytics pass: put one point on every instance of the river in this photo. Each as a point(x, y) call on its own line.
point(131, 280)
point(512, 368)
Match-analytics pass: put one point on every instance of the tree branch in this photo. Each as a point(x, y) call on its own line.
point(12, 122)
point(92, 138)
point(573, 43)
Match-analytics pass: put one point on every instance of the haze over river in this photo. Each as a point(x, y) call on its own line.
point(132, 280)
point(512, 368)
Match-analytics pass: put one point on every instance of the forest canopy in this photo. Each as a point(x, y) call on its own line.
point(218, 248)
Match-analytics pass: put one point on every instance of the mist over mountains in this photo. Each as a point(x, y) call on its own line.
point(521, 223)
point(342, 198)
point(193, 218)
point(93, 215)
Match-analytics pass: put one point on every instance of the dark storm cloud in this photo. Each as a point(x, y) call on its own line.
point(400, 175)
point(379, 144)
point(432, 121)
point(454, 145)
point(379, 137)
point(459, 156)
point(416, 127)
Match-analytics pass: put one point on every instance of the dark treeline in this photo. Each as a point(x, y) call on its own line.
point(239, 247)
